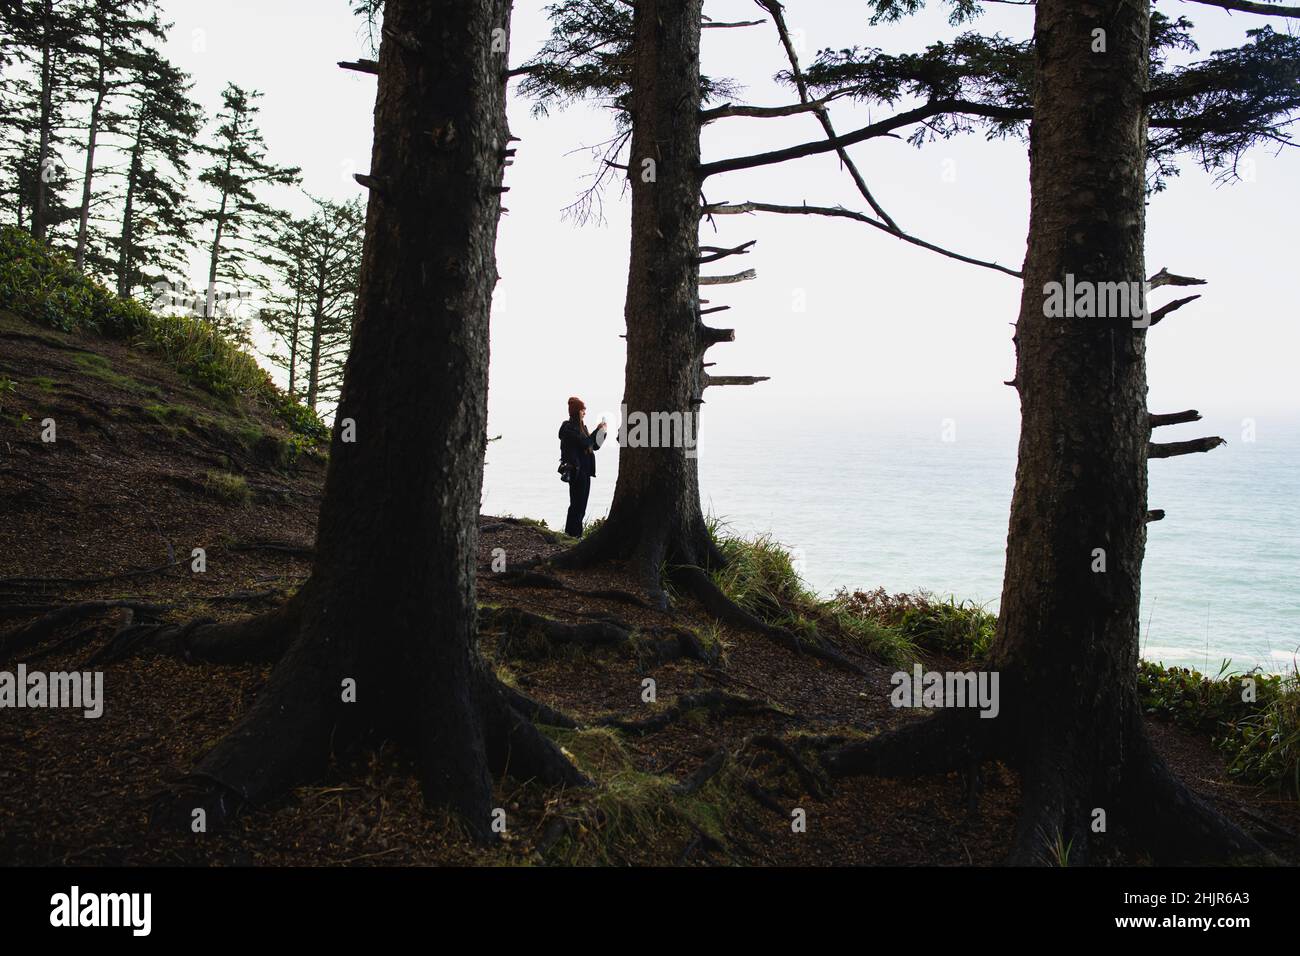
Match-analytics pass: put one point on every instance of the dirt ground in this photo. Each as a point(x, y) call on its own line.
point(145, 469)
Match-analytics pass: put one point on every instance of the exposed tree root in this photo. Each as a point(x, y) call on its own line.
point(526, 635)
point(590, 550)
point(1176, 824)
point(515, 745)
point(715, 702)
point(256, 640)
point(811, 781)
point(521, 628)
point(666, 643)
point(919, 747)
point(76, 639)
point(697, 583)
point(536, 710)
point(298, 722)
point(766, 798)
point(702, 775)
point(1157, 812)
point(647, 559)
point(29, 635)
point(701, 841)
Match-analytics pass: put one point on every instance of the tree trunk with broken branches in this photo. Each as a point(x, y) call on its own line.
point(1067, 641)
point(655, 515)
point(390, 604)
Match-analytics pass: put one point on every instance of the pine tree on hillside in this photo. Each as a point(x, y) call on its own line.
point(314, 310)
point(45, 44)
point(151, 245)
point(117, 33)
point(244, 226)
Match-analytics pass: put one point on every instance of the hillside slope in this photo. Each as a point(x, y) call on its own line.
point(145, 467)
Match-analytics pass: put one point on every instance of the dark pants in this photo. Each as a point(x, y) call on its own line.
point(579, 489)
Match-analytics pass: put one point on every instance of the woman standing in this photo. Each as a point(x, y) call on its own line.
point(578, 449)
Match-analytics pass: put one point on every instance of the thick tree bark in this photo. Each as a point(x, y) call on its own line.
point(1068, 633)
point(1067, 643)
point(391, 601)
point(655, 515)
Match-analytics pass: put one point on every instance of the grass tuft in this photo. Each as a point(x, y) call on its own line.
point(227, 487)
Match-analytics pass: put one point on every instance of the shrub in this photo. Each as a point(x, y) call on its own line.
point(963, 630)
point(760, 576)
point(1264, 747)
point(1260, 737)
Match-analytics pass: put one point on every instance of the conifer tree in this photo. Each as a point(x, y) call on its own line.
point(321, 256)
point(156, 207)
point(243, 224)
point(117, 32)
point(45, 44)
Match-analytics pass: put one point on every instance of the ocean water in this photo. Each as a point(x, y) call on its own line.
point(865, 505)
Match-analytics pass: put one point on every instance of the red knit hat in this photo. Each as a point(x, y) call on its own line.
point(575, 405)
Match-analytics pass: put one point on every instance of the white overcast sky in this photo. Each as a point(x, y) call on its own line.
point(889, 332)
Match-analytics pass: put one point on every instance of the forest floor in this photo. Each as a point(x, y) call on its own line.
point(146, 468)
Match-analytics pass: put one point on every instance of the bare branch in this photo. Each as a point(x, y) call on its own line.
point(763, 112)
point(1164, 310)
point(361, 66)
point(724, 209)
point(871, 131)
point(1171, 448)
point(1156, 514)
point(1165, 277)
point(734, 379)
point(774, 8)
point(1174, 418)
point(1248, 6)
point(714, 253)
point(728, 280)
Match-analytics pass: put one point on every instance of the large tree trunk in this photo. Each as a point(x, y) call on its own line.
point(1068, 635)
point(655, 515)
point(391, 600)
point(1067, 644)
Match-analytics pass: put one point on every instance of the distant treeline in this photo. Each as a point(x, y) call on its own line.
point(105, 156)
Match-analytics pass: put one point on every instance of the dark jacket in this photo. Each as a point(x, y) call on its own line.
point(577, 450)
